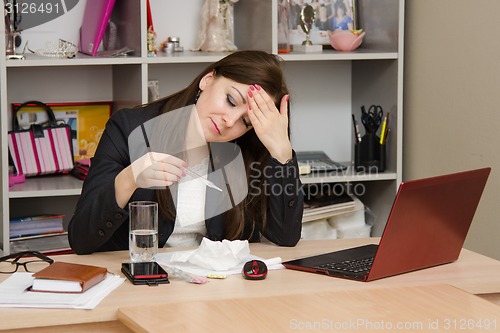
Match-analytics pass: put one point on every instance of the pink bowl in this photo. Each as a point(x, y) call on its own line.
point(345, 40)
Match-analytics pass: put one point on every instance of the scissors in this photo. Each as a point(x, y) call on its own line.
point(372, 119)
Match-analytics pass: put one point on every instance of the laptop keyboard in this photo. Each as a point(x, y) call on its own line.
point(354, 266)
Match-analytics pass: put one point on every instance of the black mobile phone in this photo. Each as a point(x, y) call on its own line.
point(150, 273)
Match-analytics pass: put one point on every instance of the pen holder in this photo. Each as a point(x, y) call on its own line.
point(369, 154)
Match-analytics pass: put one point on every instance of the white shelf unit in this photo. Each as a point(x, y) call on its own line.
point(326, 88)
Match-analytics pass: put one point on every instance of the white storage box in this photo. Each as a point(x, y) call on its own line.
point(356, 232)
point(319, 229)
point(354, 219)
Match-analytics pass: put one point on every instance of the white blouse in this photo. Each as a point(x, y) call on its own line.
point(189, 228)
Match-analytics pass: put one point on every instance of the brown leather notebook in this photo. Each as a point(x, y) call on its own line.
point(68, 277)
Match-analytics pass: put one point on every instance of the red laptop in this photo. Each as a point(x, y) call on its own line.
point(427, 226)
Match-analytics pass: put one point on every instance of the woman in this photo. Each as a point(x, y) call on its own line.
point(342, 20)
point(242, 99)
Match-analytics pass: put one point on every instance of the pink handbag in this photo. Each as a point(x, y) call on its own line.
point(41, 149)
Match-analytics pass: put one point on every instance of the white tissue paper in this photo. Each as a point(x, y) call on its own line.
point(217, 255)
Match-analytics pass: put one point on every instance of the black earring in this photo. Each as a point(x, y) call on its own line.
point(197, 96)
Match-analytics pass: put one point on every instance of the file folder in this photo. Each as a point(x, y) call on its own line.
point(95, 21)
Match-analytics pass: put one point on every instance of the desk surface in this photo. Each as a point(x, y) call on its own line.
point(472, 272)
point(431, 308)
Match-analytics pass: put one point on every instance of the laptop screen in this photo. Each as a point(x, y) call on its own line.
point(428, 222)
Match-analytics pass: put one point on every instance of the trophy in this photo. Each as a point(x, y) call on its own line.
point(306, 22)
point(307, 16)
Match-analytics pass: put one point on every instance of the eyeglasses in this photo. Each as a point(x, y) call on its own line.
point(35, 261)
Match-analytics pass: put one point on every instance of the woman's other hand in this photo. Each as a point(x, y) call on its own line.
point(269, 123)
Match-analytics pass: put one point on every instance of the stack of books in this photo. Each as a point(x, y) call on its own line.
point(323, 207)
point(43, 233)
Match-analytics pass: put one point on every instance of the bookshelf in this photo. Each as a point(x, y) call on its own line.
point(326, 88)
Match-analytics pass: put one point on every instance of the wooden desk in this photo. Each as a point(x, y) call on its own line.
point(431, 308)
point(473, 273)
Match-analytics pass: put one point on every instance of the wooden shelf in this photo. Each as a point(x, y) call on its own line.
point(191, 57)
point(47, 186)
point(81, 60)
point(51, 186)
point(347, 177)
point(335, 55)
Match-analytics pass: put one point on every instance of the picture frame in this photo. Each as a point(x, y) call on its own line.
point(325, 19)
point(86, 119)
point(284, 45)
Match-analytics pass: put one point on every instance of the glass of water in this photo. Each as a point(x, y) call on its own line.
point(143, 238)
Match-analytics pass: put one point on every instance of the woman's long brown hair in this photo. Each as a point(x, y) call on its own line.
point(247, 67)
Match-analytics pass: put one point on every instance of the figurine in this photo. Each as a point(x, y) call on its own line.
point(216, 33)
point(152, 51)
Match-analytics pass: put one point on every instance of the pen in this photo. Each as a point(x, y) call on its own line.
point(388, 132)
point(356, 130)
point(383, 131)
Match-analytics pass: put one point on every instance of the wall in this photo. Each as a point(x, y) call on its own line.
point(452, 100)
point(46, 36)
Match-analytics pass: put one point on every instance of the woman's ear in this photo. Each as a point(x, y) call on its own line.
point(205, 80)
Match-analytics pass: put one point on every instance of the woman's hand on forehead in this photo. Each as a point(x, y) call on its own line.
point(270, 124)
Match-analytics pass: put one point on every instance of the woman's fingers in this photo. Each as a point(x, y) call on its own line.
point(262, 109)
point(167, 164)
point(157, 170)
point(260, 102)
point(284, 105)
point(270, 124)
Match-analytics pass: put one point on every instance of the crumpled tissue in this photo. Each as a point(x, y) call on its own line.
point(217, 255)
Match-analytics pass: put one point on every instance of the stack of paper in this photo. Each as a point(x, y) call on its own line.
point(341, 220)
point(315, 209)
point(14, 293)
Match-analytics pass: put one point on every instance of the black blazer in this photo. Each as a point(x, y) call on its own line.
point(99, 224)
